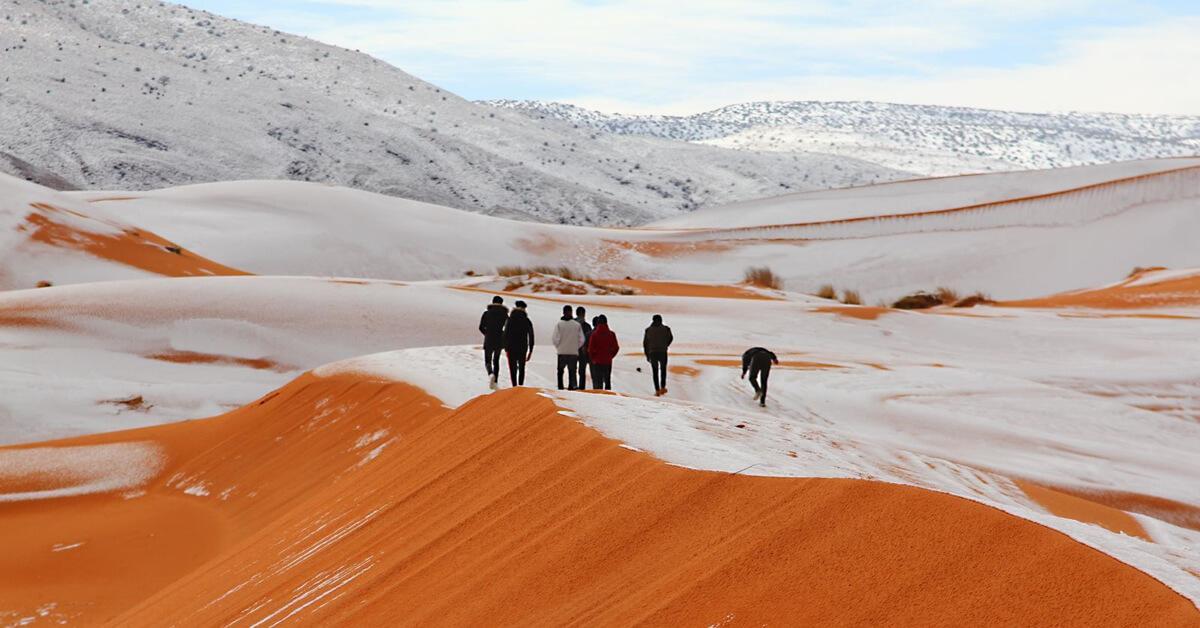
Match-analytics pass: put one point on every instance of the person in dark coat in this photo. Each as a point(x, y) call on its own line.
point(518, 343)
point(491, 325)
point(581, 318)
point(602, 348)
point(758, 361)
point(655, 343)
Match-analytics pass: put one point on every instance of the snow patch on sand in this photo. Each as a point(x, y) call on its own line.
point(84, 470)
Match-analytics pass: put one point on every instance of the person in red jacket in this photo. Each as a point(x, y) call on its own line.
point(602, 347)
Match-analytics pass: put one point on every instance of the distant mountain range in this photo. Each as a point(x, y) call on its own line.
point(129, 94)
point(926, 140)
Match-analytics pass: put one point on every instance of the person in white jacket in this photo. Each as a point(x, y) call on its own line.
point(568, 340)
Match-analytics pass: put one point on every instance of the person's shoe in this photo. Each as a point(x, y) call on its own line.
point(757, 394)
point(492, 383)
point(762, 404)
point(664, 390)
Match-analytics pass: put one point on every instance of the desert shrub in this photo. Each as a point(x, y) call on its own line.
point(44, 284)
point(827, 291)
point(556, 271)
point(972, 300)
point(1137, 270)
point(851, 297)
point(622, 290)
point(947, 295)
point(763, 277)
point(917, 301)
point(559, 271)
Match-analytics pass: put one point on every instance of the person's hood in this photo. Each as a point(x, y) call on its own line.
point(566, 318)
point(518, 313)
point(497, 306)
point(600, 327)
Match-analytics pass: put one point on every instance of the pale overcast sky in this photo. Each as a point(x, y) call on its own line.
point(657, 56)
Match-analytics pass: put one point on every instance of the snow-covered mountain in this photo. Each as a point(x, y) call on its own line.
point(130, 94)
point(924, 139)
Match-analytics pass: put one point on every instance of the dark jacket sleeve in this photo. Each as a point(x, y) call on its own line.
point(646, 343)
point(670, 337)
point(483, 324)
point(529, 328)
point(746, 360)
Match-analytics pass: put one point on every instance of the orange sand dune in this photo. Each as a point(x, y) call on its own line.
point(1177, 292)
point(192, 357)
point(504, 512)
point(682, 289)
point(1076, 191)
point(133, 247)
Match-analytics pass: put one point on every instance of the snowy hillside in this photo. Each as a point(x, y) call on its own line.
point(134, 95)
point(925, 139)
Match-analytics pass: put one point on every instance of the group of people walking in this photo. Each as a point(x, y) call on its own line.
point(582, 344)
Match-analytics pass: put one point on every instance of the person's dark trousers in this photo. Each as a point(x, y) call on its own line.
point(568, 362)
point(491, 360)
point(583, 367)
point(758, 379)
point(516, 368)
point(658, 367)
point(602, 376)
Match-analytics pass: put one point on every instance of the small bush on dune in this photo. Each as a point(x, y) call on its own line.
point(978, 298)
point(827, 291)
point(563, 272)
point(947, 295)
point(851, 297)
point(1137, 270)
point(943, 296)
point(558, 271)
point(763, 277)
point(917, 301)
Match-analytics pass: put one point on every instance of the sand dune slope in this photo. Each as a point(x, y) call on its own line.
point(48, 237)
point(349, 500)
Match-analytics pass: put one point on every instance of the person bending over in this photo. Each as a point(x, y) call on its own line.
point(655, 343)
point(567, 340)
point(758, 361)
point(518, 343)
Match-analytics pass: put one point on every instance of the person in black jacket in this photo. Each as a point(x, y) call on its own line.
point(518, 343)
point(655, 343)
point(581, 318)
point(491, 325)
point(758, 361)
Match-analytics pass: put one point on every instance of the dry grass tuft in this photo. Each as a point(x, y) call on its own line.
point(827, 291)
point(851, 297)
point(947, 295)
point(1137, 270)
point(558, 271)
point(972, 300)
point(917, 301)
point(562, 272)
point(763, 277)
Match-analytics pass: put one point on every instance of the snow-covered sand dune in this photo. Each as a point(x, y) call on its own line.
point(352, 499)
point(49, 238)
point(1012, 235)
point(962, 439)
